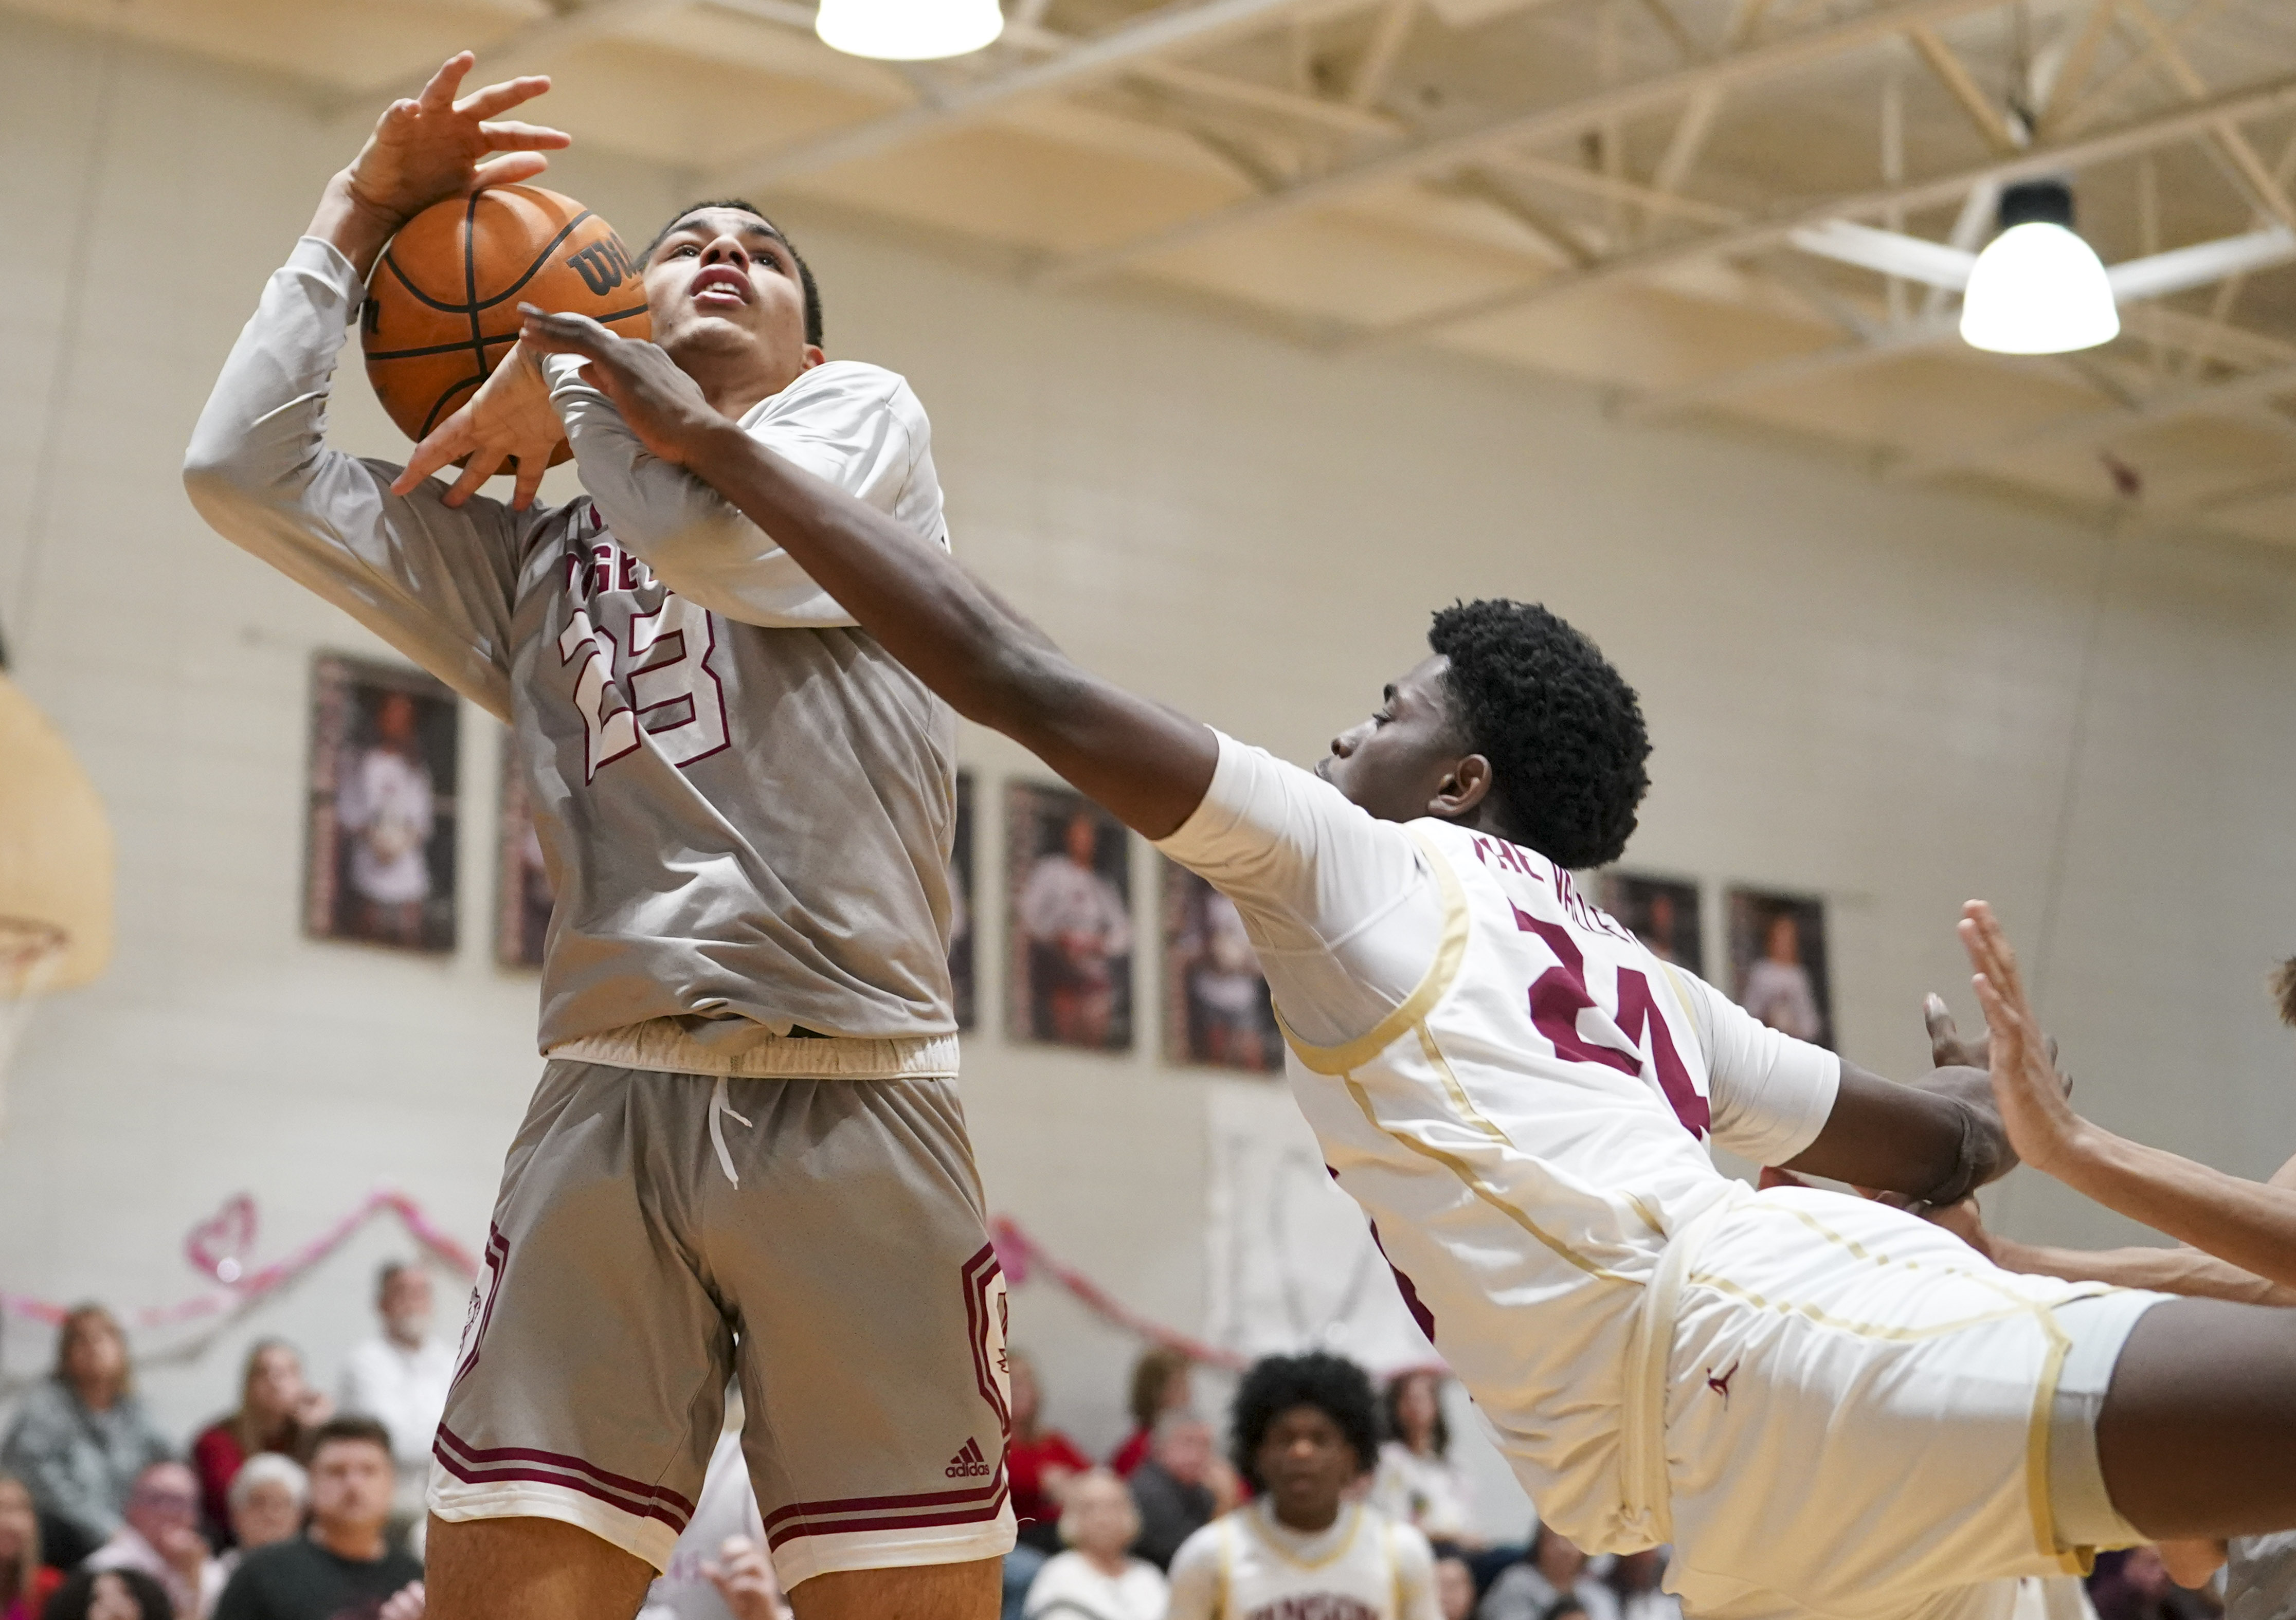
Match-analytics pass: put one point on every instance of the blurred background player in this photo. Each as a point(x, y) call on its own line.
point(1305, 1431)
point(682, 699)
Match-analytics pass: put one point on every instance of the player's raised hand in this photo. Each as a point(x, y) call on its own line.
point(432, 146)
point(662, 405)
point(2026, 1085)
point(509, 419)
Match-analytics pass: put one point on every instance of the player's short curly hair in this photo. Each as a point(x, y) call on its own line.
point(2284, 990)
point(804, 271)
point(1332, 1385)
point(1562, 728)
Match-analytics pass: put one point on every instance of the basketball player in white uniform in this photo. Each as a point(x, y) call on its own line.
point(1305, 1428)
point(746, 1155)
point(1827, 1405)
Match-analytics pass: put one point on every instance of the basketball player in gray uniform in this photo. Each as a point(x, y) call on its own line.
point(746, 1155)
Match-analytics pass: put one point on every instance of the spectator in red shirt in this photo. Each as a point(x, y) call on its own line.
point(1040, 1462)
point(1159, 1383)
point(25, 1583)
point(278, 1408)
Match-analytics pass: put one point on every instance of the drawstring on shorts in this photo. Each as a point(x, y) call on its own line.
point(720, 1107)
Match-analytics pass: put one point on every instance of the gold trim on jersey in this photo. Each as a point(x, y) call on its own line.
point(2072, 1560)
point(1431, 989)
point(1250, 1514)
point(1466, 1174)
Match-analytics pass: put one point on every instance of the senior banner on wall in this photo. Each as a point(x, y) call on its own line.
point(1291, 1264)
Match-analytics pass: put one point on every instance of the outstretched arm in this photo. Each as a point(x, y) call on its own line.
point(1144, 761)
point(2252, 1225)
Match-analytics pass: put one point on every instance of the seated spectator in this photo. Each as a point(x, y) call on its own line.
point(81, 1436)
point(110, 1594)
point(1633, 1579)
point(1159, 1383)
point(266, 1505)
point(344, 1564)
point(278, 1409)
point(400, 1378)
point(161, 1537)
point(1455, 1589)
point(1040, 1462)
point(1553, 1574)
point(1172, 1487)
point(1305, 1434)
point(1417, 1482)
point(1093, 1579)
point(25, 1582)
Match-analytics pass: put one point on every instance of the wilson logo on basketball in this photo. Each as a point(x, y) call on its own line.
point(967, 1463)
point(603, 266)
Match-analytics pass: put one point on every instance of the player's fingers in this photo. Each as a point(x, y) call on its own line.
point(502, 97)
point(1945, 1039)
point(508, 169)
point(482, 465)
point(565, 334)
point(446, 444)
point(439, 94)
point(509, 135)
point(530, 469)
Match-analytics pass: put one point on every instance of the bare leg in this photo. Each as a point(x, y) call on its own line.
point(2199, 1421)
point(929, 1592)
point(527, 1569)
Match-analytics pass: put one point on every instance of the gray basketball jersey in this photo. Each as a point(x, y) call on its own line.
point(745, 804)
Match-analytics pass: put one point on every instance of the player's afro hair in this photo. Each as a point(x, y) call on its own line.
point(804, 270)
point(2284, 990)
point(1332, 1385)
point(1562, 729)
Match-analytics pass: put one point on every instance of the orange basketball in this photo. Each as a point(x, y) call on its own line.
point(442, 305)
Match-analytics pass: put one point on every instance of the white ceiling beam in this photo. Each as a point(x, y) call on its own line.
point(1439, 153)
point(2256, 100)
point(1594, 183)
point(1091, 62)
point(1992, 123)
point(1194, 82)
point(2255, 177)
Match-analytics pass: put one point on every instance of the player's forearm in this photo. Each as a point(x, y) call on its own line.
point(1927, 1143)
point(2250, 1224)
point(2167, 1270)
point(989, 661)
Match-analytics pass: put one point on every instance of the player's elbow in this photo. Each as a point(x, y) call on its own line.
point(225, 472)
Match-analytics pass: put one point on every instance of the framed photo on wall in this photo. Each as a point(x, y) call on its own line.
point(522, 896)
point(1216, 1009)
point(961, 966)
point(1068, 871)
point(1663, 913)
point(1778, 962)
point(379, 842)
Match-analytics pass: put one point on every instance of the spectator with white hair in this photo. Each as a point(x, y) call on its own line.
point(267, 1500)
point(1096, 1579)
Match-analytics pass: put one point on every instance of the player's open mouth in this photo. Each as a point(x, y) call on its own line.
point(720, 285)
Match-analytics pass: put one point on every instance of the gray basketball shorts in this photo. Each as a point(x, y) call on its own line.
point(824, 1240)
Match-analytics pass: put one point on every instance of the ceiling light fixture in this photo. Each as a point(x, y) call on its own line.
point(908, 30)
point(2039, 288)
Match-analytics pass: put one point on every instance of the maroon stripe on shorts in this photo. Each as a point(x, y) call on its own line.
point(570, 1482)
point(865, 1504)
point(892, 1521)
point(486, 1463)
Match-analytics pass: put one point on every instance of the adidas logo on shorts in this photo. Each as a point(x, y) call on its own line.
point(967, 1463)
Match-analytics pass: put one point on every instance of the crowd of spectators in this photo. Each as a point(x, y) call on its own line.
point(293, 1506)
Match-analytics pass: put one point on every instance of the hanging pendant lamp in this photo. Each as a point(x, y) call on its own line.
point(2037, 288)
point(908, 30)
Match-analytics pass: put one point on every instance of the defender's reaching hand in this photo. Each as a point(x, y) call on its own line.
point(661, 405)
point(509, 419)
point(2026, 1085)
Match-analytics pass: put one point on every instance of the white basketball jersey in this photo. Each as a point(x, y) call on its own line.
point(1361, 1568)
